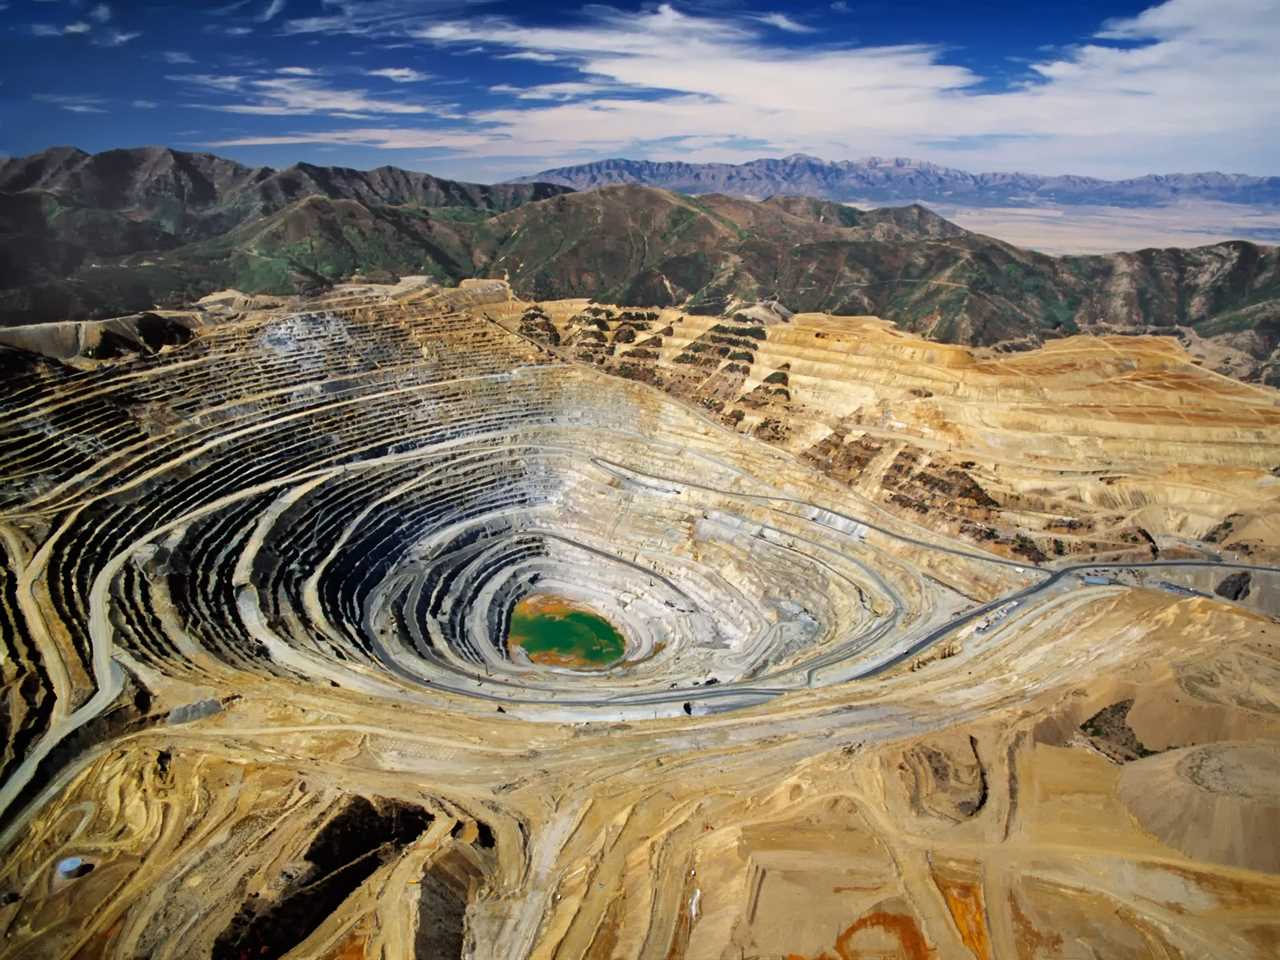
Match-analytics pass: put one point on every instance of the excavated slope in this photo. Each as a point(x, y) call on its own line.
point(916, 639)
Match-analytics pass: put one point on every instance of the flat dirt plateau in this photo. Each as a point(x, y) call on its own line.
point(928, 653)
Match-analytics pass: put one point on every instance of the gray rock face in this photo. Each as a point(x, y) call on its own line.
point(1234, 587)
point(194, 711)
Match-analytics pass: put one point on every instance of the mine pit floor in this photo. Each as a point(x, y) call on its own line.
point(554, 631)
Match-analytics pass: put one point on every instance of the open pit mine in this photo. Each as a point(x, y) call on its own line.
point(422, 622)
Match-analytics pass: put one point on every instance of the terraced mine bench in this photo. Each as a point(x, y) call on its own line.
point(260, 581)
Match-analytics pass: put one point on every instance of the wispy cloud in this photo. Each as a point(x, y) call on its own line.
point(73, 103)
point(1164, 86)
point(116, 38)
point(1185, 84)
point(382, 138)
point(94, 31)
point(291, 95)
point(145, 104)
point(537, 56)
point(272, 10)
point(780, 21)
point(372, 18)
point(568, 90)
point(211, 82)
point(400, 74)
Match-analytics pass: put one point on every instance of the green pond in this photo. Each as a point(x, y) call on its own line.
point(553, 631)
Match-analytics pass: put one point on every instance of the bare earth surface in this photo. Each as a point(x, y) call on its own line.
point(1099, 229)
point(930, 653)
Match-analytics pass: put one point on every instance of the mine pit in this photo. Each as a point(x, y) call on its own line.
point(417, 622)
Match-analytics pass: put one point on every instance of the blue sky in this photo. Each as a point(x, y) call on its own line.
point(484, 91)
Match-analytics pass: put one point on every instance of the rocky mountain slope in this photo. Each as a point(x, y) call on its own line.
point(898, 180)
point(68, 217)
point(195, 194)
point(633, 244)
point(88, 236)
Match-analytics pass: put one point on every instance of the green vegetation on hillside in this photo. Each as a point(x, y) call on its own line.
point(63, 256)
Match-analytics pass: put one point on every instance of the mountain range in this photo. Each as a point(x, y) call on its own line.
point(899, 180)
point(85, 236)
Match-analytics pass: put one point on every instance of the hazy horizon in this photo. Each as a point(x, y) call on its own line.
point(427, 168)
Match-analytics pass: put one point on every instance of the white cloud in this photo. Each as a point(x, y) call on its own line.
point(177, 57)
point(145, 104)
point(534, 55)
point(296, 71)
point(1192, 87)
point(400, 74)
point(1184, 85)
point(371, 18)
point(316, 25)
point(73, 103)
point(301, 95)
point(208, 81)
point(117, 38)
point(272, 10)
point(552, 91)
point(780, 21)
point(383, 138)
point(100, 14)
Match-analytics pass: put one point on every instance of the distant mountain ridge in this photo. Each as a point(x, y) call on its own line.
point(70, 221)
point(97, 236)
point(195, 195)
point(898, 180)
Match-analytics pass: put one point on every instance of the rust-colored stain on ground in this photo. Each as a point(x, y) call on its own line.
point(351, 948)
point(604, 944)
point(965, 902)
point(548, 605)
point(1031, 941)
point(911, 942)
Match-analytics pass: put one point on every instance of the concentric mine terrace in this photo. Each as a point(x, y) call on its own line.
point(901, 649)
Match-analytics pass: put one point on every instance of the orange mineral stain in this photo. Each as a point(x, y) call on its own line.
point(911, 942)
point(964, 900)
point(350, 949)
